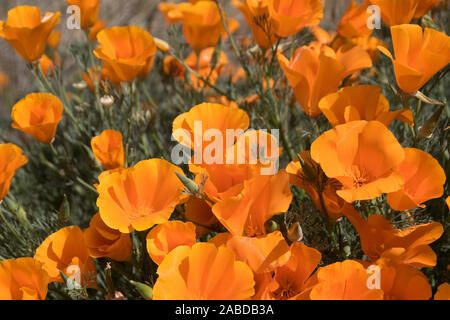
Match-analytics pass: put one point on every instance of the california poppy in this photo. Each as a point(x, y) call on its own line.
point(289, 16)
point(102, 241)
point(65, 251)
point(38, 115)
point(443, 292)
point(96, 28)
point(129, 51)
point(394, 12)
point(23, 279)
point(256, 14)
point(315, 71)
point(261, 198)
point(290, 281)
point(311, 178)
point(88, 11)
point(200, 213)
point(171, 11)
point(424, 180)
point(363, 157)
point(27, 31)
point(424, 6)
point(344, 281)
point(108, 149)
point(167, 236)
point(403, 246)
point(418, 56)
point(48, 65)
point(139, 197)
point(54, 39)
point(203, 272)
point(202, 25)
point(354, 22)
point(364, 102)
point(11, 159)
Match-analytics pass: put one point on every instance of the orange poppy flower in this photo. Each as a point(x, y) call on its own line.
point(23, 279)
point(139, 197)
point(354, 22)
point(261, 198)
point(102, 241)
point(363, 157)
point(290, 16)
point(165, 237)
point(261, 254)
point(256, 13)
point(88, 11)
point(424, 180)
point(290, 281)
point(203, 272)
point(315, 71)
point(312, 179)
point(171, 11)
point(398, 281)
point(204, 67)
point(108, 149)
point(448, 201)
point(38, 115)
point(417, 56)
point(54, 39)
point(200, 213)
point(404, 246)
point(4, 81)
point(65, 251)
point(364, 102)
point(11, 159)
point(207, 116)
point(47, 65)
point(202, 25)
point(27, 32)
point(394, 12)
point(370, 44)
point(173, 68)
point(129, 51)
point(344, 281)
point(443, 292)
point(96, 28)
point(424, 6)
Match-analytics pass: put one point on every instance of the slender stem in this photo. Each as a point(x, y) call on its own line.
point(5, 221)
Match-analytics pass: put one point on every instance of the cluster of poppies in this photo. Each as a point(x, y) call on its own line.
point(210, 228)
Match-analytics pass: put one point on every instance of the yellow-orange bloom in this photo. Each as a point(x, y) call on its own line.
point(315, 71)
point(364, 102)
point(27, 31)
point(129, 51)
point(139, 197)
point(344, 281)
point(102, 241)
point(203, 272)
point(354, 22)
point(424, 6)
point(165, 237)
point(54, 39)
point(311, 178)
point(47, 65)
point(290, 281)
point(23, 279)
point(443, 292)
point(65, 251)
point(38, 115)
point(88, 11)
point(171, 11)
point(424, 180)
point(363, 156)
point(200, 213)
point(11, 159)
point(108, 149)
point(261, 198)
point(289, 16)
point(96, 28)
point(394, 12)
point(202, 25)
point(403, 246)
point(418, 56)
point(256, 13)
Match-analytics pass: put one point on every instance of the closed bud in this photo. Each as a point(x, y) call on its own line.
point(295, 233)
point(190, 185)
point(107, 101)
point(161, 45)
